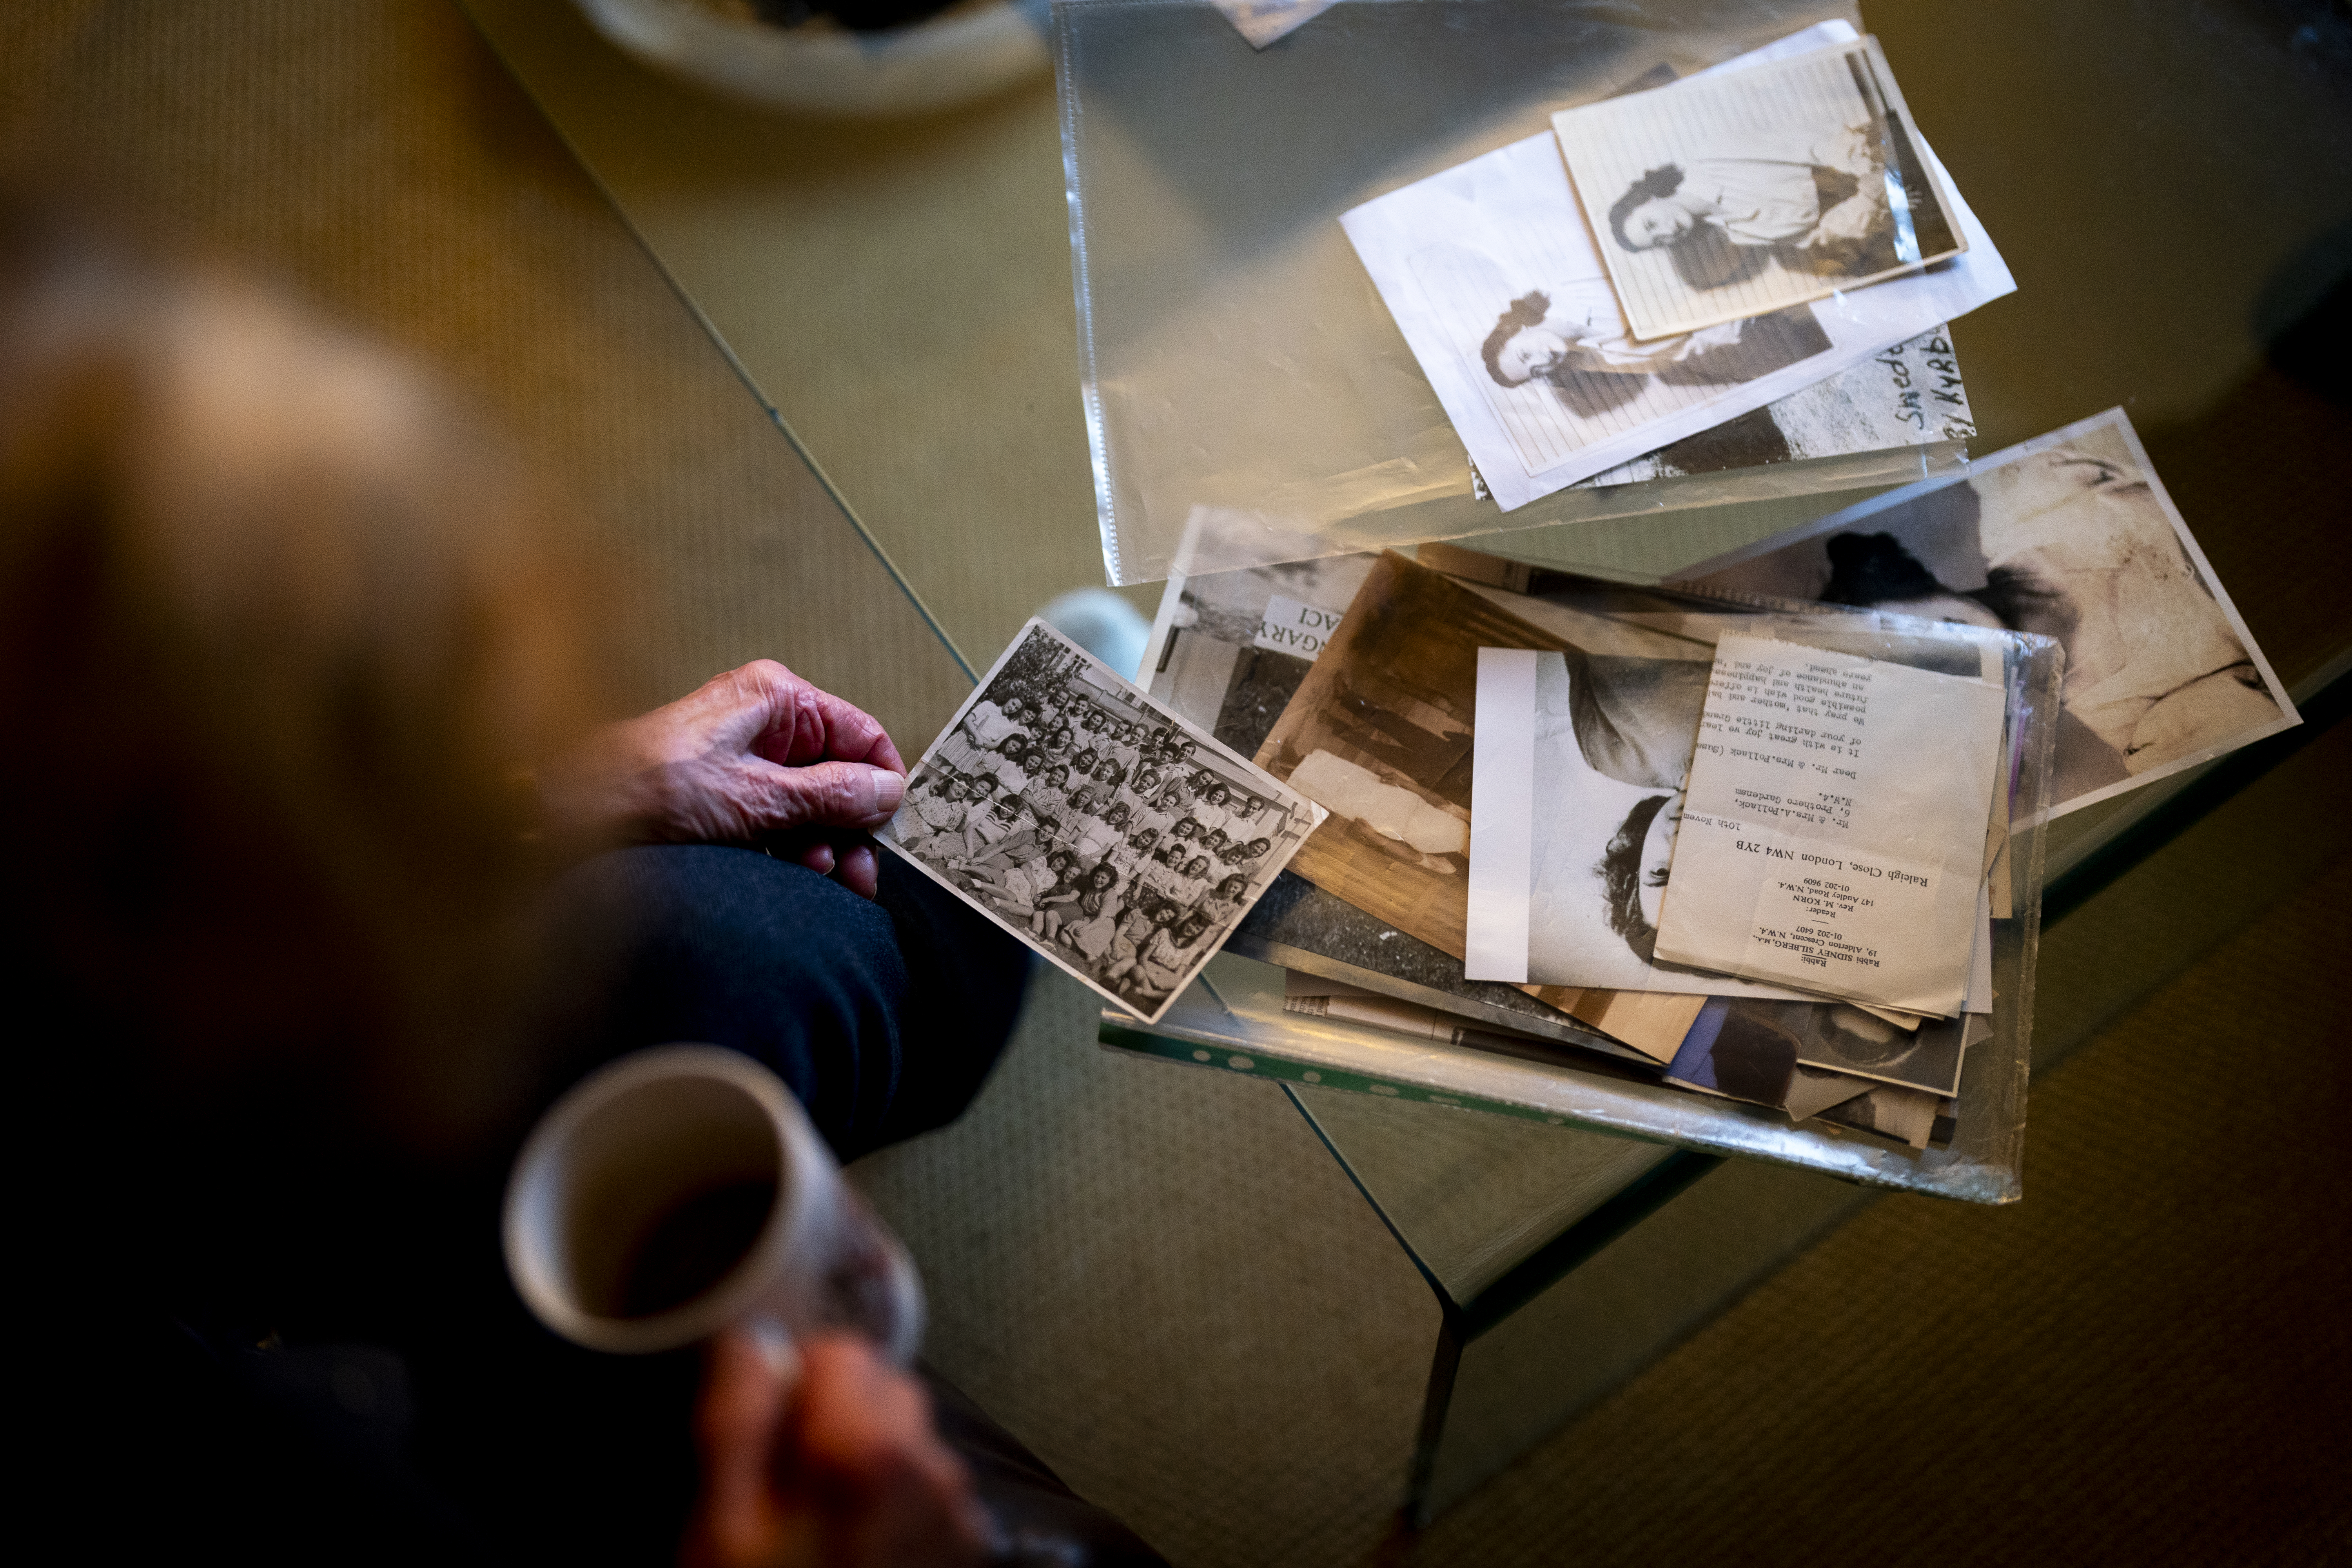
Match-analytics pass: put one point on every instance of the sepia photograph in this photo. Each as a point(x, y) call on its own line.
point(2070, 535)
point(1379, 734)
point(1719, 198)
point(1106, 832)
point(1500, 289)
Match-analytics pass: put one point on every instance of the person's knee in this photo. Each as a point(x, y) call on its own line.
point(730, 947)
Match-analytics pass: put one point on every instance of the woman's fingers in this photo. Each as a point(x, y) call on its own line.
point(796, 723)
point(738, 1422)
point(822, 794)
point(858, 868)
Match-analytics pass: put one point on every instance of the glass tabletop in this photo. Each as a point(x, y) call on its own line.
point(2164, 183)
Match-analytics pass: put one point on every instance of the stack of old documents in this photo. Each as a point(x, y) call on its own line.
point(1749, 834)
point(1674, 828)
point(1745, 266)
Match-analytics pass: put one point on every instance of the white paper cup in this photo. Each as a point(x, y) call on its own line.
point(679, 1141)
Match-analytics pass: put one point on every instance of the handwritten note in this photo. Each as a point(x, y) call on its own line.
point(1833, 838)
point(1924, 388)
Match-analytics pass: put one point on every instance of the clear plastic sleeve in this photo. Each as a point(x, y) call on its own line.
point(1235, 1021)
point(1238, 358)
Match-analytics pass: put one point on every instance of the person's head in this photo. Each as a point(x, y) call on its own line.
point(278, 626)
point(1165, 913)
point(1520, 346)
point(1231, 887)
point(1633, 871)
point(1144, 841)
point(1093, 723)
point(1085, 761)
point(1147, 781)
point(1258, 847)
point(1014, 748)
point(1199, 867)
point(1059, 775)
point(1873, 570)
point(1103, 878)
point(1219, 795)
point(1251, 807)
point(1644, 218)
point(1188, 828)
point(1013, 706)
point(1217, 839)
point(1009, 808)
point(1118, 814)
point(1082, 799)
point(950, 786)
point(1109, 771)
point(985, 785)
point(1047, 823)
point(1059, 862)
point(1188, 930)
point(1171, 798)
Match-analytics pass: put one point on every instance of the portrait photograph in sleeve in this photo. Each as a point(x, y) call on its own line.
point(1726, 196)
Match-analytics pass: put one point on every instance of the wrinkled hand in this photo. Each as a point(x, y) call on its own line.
point(843, 1469)
point(755, 753)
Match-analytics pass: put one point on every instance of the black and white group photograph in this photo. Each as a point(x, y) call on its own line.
point(1719, 197)
point(1115, 839)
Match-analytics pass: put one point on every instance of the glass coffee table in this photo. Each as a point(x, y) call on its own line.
point(899, 296)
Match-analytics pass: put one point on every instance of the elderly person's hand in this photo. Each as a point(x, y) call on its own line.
point(756, 753)
point(842, 1468)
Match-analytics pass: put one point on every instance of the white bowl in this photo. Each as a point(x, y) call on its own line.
point(948, 60)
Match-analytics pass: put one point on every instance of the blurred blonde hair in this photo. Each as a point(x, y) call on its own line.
point(279, 630)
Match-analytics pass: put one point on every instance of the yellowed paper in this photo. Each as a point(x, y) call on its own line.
point(1833, 838)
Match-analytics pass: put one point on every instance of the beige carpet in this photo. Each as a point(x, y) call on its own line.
point(375, 157)
point(1156, 1275)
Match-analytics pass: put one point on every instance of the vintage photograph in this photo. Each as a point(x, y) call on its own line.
point(1609, 742)
point(1379, 733)
point(1803, 1058)
point(1229, 649)
point(1501, 290)
point(1719, 197)
point(1908, 396)
point(1748, 1050)
point(2073, 536)
point(1108, 834)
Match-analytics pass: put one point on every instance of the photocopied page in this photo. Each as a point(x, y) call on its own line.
point(1729, 197)
point(1833, 837)
point(1500, 287)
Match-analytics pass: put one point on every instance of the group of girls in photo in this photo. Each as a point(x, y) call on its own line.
point(1096, 830)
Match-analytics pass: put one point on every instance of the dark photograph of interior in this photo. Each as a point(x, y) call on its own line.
point(758, 750)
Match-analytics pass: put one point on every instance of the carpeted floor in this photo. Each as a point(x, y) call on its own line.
point(1157, 1275)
